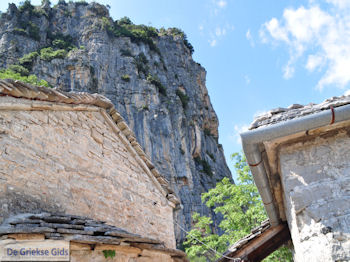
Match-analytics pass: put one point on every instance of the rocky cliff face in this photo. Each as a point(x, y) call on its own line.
point(148, 74)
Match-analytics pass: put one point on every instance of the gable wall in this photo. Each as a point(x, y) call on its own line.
point(73, 162)
point(316, 182)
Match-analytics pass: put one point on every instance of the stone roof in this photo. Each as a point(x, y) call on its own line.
point(255, 233)
point(17, 89)
point(295, 111)
point(78, 229)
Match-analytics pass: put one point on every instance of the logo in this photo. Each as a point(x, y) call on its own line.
point(34, 250)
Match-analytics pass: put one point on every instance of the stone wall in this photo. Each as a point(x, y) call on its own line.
point(82, 252)
point(74, 162)
point(316, 180)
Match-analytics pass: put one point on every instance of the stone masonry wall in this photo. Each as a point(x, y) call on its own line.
point(316, 180)
point(73, 162)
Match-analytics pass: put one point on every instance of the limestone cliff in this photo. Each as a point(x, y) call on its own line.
point(148, 74)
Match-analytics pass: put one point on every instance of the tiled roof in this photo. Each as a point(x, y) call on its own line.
point(78, 229)
point(9, 87)
point(295, 111)
point(57, 226)
point(255, 233)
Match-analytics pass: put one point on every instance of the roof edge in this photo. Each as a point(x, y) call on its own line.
point(17, 89)
point(252, 140)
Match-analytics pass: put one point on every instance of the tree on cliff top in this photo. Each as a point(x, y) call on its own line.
point(242, 210)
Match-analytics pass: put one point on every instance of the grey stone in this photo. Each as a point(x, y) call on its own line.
point(57, 219)
point(93, 239)
point(55, 225)
point(29, 229)
point(74, 231)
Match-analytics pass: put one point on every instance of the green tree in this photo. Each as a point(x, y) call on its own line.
point(242, 210)
point(30, 79)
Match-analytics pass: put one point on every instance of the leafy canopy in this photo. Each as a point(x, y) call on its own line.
point(30, 79)
point(242, 210)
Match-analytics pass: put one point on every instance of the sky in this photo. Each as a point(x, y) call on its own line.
point(258, 55)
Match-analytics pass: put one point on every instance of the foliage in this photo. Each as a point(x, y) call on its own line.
point(155, 81)
point(176, 32)
point(61, 41)
point(31, 79)
point(242, 210)
point(107, 25)
point(81, 2)
point(188, 45)
point(125, 78)
point(19, 69)
point(211, 156)
point(109, 253)
point(205, 165)
point(44, 2)
point(183, 97)
point(26, 6)
point(137, 33)
point(67, 13)
point(28, 29)
point(207, 132)
point(124, 21)
point(33, 31)
point(28, 59)
point(48, 53)
point(141, 62)
point(19, 31)
point(126, 52)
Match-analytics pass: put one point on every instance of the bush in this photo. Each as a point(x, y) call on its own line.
point(60, 41)
point(31, 79)
point(188, 45)
point(28, 59)
point(38, 12)
point(48, 53)
point(173, 31)
point(140, 61)
point(124, 21)
point(19, 69)
point(206, 168)
point(19, 31)
point(156, 82)
point(183, 97)
point(81, 2)
point(125, 78)
point(33, 31)
point(67, 13)
point(28, 29)
point(136, 33)
point(26, 6)
point(107, 25)
point(126, 52)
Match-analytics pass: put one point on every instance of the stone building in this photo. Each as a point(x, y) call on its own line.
point(300, 159)
point(68, 162)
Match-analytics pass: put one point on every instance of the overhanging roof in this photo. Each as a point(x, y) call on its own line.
point(268, 132)
point(261, 242)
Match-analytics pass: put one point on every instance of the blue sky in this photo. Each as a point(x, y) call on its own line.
point(258, 54)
